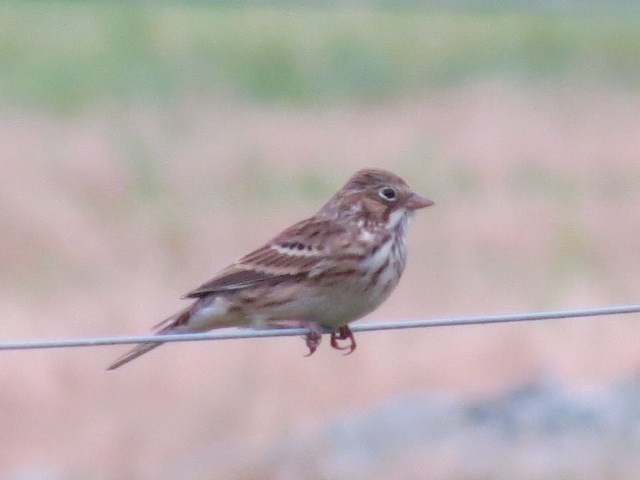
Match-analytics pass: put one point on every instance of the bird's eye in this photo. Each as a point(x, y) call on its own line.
point(388, 193)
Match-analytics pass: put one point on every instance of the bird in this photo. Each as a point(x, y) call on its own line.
point(321, 273)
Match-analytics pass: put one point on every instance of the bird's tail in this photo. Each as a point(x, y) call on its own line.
point(169, 326)
point(134, 353)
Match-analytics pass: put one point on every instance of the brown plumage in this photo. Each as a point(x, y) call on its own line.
point(323, 272)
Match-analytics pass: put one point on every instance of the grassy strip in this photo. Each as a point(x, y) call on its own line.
point(64, 56)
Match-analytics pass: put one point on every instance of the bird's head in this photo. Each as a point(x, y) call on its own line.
point(374, 195)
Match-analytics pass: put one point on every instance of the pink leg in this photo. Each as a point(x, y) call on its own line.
point(313, 338)
point(344, 333)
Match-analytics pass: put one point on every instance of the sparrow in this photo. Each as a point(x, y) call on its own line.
point(321, 273)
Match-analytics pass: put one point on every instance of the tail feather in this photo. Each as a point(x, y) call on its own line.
point(133, 354)
point(171, 325)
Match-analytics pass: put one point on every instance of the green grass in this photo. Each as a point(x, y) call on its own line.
point(65, 56)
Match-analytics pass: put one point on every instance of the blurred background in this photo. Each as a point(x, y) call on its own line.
point(145, 146)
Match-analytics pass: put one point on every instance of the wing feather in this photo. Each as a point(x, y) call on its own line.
point(299, 251)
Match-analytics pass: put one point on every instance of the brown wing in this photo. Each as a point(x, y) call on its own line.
point(299, 251)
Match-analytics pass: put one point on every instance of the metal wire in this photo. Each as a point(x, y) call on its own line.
point(288, 332)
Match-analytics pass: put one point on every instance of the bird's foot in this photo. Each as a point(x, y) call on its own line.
point(343, 333)
point(313, 338)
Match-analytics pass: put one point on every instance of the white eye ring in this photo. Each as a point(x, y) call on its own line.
point(388, 193)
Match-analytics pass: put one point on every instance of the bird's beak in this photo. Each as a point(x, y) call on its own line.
point(416, 202)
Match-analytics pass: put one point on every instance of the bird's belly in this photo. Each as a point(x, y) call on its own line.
point(374, 281)
point(336, 307)
point(342, 309)
point(335, 301)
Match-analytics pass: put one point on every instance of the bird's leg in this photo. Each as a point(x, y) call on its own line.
point(343, 333)
point(338, 335)
point(313, 338)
